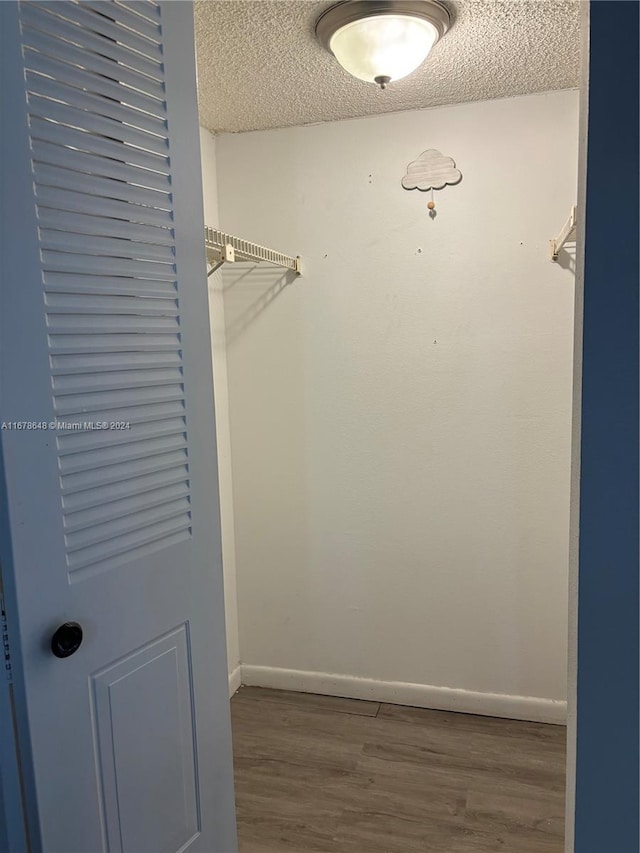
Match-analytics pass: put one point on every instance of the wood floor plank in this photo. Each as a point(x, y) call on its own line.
point(327, 777)
point(297, 735)
point(537, 771)
point(515, 813)
point(316, 701)
point(290, 828)
point(520, 729)
point(246, 845)
point(315, 786)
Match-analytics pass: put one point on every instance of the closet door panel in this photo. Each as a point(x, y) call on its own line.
point(110, 513)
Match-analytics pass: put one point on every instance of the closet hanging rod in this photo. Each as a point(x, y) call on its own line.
point(225, 248)
point(568, 233)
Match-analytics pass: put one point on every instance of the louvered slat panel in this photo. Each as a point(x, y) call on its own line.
point(146, 8)
point(107, 496)
point(106, 511)
point(114, 528)
point(107, 285)
point(112, 343)
point(94, 459)
point(78, 14)
point(62, 71)
point(133, 552)
point(34, 40)
point(90, 164)
point(61, 92)
point(69, 179)
point(95, 481)
point(80, 140)
point(74, 263)
point(116, 380)
point(56, 282)
point(43, 107)
point(37, 16)
point(77, 202)
point(99, 362)
point(81, 441)
point(61, 323)
point(102, 182)
point(130, 20)
point(131, 416)
point(101, 557)
point(94, 403)
point(117, 248)
point(101, 226)
point(92, 303)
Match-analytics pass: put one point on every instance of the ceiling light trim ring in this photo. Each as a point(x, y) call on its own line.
point(341, 14)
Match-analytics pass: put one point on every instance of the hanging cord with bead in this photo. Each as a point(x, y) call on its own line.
point(432, 207)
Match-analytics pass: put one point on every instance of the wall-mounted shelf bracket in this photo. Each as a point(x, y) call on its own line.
point(224, 248)
point(567, 234)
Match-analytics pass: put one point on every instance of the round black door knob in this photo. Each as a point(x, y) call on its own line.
point(66, 639)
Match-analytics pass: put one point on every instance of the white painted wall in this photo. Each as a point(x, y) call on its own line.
point(223, 439)
point(401, 415)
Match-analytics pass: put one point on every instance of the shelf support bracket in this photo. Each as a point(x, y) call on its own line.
point(568, 233)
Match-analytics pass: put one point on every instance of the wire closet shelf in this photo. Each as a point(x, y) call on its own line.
point(225, 248)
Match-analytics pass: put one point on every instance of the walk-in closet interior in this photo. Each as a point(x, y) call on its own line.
point(391, 284)
point(318, 394)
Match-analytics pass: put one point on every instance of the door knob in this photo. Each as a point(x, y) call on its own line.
point(66, 639)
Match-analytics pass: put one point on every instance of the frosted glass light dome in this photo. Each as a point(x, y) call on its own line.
point(379, 41)
point(383, 46)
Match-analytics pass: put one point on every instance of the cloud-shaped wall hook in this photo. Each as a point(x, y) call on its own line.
point(431, 171)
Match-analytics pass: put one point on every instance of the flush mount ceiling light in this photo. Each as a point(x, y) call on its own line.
point(382, 40)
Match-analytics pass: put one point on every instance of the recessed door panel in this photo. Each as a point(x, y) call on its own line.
point(145, 739)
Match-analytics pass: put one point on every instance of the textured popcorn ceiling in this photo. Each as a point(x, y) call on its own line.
point(259, 64)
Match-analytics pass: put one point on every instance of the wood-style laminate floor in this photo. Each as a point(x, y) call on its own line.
point(328, 775)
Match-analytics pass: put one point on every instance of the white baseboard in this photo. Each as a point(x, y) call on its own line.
point(405, 693)
point(235, 680)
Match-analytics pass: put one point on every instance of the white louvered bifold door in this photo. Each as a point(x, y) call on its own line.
point(108, 438)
